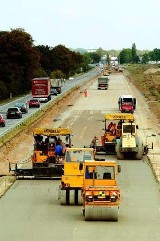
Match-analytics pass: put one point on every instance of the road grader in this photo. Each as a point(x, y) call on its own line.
point(121, 138)
point(44, 162)
point(100, 193)
point(72, 179)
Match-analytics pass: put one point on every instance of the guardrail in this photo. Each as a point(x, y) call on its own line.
point(17, 128)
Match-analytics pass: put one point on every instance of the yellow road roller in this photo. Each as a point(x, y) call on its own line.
point(100, 193)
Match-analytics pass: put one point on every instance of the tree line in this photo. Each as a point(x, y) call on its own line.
point(21, 60)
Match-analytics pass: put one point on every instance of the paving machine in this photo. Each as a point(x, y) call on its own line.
point(112, 132)
point(72, 179)
point(45, 162)
point(100, 193)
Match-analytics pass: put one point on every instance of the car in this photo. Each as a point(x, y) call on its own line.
point(34, 103)
point(54, 91)
point(2, 121)
point(22, 106)
point(71, 78)
point(14, 112)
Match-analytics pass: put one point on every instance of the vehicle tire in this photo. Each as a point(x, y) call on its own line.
point(139, 154)
point(120, 155)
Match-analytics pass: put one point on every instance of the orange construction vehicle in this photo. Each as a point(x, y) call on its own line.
point(100, 193)
point(46, 161)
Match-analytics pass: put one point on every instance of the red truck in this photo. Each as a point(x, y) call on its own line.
point(41, 89)
point(127, 104)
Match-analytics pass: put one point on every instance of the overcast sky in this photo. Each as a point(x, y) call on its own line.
point(89, 24)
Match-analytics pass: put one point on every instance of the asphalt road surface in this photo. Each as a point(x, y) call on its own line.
point(30, 210)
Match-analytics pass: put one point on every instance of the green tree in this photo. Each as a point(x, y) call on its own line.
point(145, 58)
point(19, 60)
point(134, 53)
point(125, 56)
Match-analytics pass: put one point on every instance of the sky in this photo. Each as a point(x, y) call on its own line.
point(88, 24)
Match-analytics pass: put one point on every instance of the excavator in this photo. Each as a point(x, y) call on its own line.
point(44, 162)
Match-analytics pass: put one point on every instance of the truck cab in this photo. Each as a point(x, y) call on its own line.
point(127, 104)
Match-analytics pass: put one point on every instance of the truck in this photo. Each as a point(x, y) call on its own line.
point(56, 84)
point(72, 179)
point(103, 83)
point(127, 104)
point(100, 191)
point(41, 89)
point(44, 163)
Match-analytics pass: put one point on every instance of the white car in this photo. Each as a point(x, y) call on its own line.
point(71, 78)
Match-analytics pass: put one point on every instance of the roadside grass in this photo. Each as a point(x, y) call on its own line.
point(148, 84)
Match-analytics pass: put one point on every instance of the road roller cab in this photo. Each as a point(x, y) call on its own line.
point(72, 180)
point(100, 192)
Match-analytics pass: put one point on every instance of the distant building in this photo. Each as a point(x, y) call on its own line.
point(91, 50)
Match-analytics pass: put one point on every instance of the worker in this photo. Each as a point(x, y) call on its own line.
point(113, 129)
point(59, 149)
point(110, 126)
point(94, 142)
point(85, 92)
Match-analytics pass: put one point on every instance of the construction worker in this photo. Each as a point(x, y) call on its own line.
point(94, 142)
point(85, 92)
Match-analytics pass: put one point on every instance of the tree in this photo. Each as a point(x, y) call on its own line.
point(18, 60)
point(125, 56)
point(134, 53)
point(145, 58)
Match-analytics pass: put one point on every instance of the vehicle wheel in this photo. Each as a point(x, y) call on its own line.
point(3, 124)
point(139, 154)
point(120, 155)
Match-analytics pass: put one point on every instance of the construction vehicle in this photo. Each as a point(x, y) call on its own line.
point(100, 193)
point(103, 83)
point(120, 138)
point(127, 104)
point(112, 132)
point(129, 145)
point(44, 162)
point(72, 179)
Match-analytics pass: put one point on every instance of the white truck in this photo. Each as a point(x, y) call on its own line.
point(56, 84)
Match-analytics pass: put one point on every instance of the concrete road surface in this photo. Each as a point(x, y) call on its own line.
point(30, 210)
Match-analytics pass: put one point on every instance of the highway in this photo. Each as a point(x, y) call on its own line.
point(10, 123)
point(30, 210)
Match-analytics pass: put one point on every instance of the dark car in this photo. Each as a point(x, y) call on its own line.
point(13, 112)
point(54, 91)
point(34, 103)
point(22, 106)
point(2, 120)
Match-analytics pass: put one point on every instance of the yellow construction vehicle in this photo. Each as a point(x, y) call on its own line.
point(100, 193)
point(72, 179)
point(112, 132)
point(45, 162)
point(121, 138)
